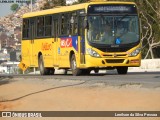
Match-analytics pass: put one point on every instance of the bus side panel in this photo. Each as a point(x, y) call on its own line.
point(65, 48)
point(26, 53)
point(56, 60)
point(68, 44)
point(44, 47)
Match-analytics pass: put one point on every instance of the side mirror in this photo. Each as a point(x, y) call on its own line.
point(140, 27)
point(85, 24)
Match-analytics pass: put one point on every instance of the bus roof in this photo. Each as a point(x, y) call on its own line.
point(61, 9)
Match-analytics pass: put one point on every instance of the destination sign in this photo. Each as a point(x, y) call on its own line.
point(112, 9)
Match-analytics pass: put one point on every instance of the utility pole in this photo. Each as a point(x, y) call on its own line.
point(31, 5)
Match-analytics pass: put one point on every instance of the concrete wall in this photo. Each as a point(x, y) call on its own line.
point(147, 65)
point(150, 64)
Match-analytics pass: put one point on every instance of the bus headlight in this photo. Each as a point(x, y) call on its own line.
point(92, 52)
point(135, 52)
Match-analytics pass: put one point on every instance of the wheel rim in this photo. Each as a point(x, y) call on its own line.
point(41, 66)
point(74, 66)
point(75, 71)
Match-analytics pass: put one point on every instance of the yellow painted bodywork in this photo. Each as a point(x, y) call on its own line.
point(114, 57)
point(55, 56)
point(69, 8)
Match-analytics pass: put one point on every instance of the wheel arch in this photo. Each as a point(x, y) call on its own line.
point(70, 55)
point(39, 54)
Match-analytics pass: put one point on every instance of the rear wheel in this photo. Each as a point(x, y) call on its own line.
point(51, 71)
point(122, 70)
point(43, 70)
point(86, 71)
point(75, 71)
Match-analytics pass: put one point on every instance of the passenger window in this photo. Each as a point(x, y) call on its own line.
point(73, 24)
point(48, 25)
point(25, 33)
point(40, 26)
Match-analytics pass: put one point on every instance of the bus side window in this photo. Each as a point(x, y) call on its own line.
point(48, 26)
point(73, 24)
point(65, 24)
point(62, 24)
point(81, 26)
point(25, 33)
point(40, 26)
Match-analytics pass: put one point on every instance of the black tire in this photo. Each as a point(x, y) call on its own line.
point(96, 71)
point(43, 70)
point(86, 71)
point(51, 71)
point(73, 64)
point(65, 71)
point(122, 70)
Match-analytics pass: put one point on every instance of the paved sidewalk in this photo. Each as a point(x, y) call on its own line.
point(130, 69)
point(138, 69)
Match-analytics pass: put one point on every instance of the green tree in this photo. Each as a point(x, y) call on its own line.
point(29, 1)
point(81, 1)
point(14, 7)
point(62, 2)
point(53, 3)
point(150, 16)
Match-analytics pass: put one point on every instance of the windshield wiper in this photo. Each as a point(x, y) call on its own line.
point(119, 21)
point(123, 17)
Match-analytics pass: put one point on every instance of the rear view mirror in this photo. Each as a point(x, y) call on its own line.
point(85, 25)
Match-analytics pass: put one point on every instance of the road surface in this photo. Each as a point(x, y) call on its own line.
point(96, 92)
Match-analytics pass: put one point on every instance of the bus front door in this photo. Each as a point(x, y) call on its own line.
point(82, 40)
point(55, 44)
point(32, 43)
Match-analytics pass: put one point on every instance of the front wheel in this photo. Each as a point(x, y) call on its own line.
point(43, 70)
point(122, 70)
point(73, 64)
point(96, 71)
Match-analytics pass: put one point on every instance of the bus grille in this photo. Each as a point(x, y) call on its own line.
point(115, 61)
point(113, 55)
point(114, 49)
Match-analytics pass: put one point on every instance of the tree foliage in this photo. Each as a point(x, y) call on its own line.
point(53, 3)
point(14, 7)
point(150, 15)
point(149, 11)
point(29, 2)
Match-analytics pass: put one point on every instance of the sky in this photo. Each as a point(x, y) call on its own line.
point(5, 9)
point(6, 4)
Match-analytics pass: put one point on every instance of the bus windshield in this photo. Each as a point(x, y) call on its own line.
point(115, 29)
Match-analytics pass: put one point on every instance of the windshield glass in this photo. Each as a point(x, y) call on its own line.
point(113, 29)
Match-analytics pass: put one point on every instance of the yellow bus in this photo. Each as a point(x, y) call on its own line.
point(82, 37)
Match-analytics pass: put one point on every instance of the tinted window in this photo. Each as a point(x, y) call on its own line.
point(40, 26)
point(48, 25)
point(25, 33)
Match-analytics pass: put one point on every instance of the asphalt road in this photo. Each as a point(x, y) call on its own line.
point(139, 79)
